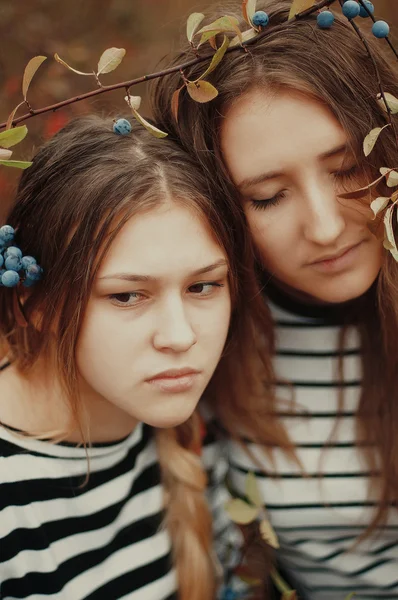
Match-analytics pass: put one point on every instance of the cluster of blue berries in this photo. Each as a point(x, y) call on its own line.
point(14, 267)
point(122, 127)
point(352, 9)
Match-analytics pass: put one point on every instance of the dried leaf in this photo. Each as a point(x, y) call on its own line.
point(268, 534)
point(252, 490)
point(202, 91)
point(378, 205)
point(62, 62)
point(371, 139)
point(360, 192)
point(222, 25)
point(391, 176)
point(151, 128)
point(300, 5)
point(12, 115)
point(241, 512)
point(213, 43)
point(29, 72)
point(246, 35)
point(248, 10)
point(392, 102)
point(390, 245)
point(5, 154)
point(193, 22)
point(10, 137)
point(217, 58)
point(110, 60)
point(175, 102)
point(18, 164)
point(133, 101)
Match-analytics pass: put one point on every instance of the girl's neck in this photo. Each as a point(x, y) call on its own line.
point(36, 404)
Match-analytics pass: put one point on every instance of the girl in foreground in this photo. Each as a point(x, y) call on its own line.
point(283, 139)
point(106, 359)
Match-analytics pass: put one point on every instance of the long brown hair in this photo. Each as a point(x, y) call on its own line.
point(81, 189)
point(331, 66)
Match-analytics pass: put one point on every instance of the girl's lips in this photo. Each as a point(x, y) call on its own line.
point(181, 383)
point(339, 262)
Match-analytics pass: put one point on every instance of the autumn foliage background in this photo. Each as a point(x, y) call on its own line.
point(79, 31)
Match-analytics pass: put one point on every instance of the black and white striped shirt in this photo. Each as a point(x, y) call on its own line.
point(318, 518)
point(65, 540)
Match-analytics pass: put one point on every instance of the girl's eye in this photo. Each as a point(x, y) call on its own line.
point(205, 288)
point(268, 202)
point(125, 299)
point(347, 174)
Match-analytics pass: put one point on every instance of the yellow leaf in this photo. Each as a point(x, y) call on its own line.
point(62, 62)
point(252, 490)
point(110, 59)
point(202, 91)
point(193, 22)
point(151, 128)
point(299, 6)
point(29, 72)
point(221, 25)
point(5, 154)
point(392, 102)
point(390, 245)
point(268, 534)
point(133, 101)
point(391, 176)
point(217, 58)
point(18, 164)
point(241, 512)
point(12, 115)
point(371, 139)
point(378, 205)
point(246, 35)
point(248, 10)
point(10, 137)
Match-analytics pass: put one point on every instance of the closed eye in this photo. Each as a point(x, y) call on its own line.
point(268, 202)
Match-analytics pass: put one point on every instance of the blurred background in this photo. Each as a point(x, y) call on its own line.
point(79, 31)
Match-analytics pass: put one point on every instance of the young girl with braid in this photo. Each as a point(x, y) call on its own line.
point(283, 140)
point(121, 290)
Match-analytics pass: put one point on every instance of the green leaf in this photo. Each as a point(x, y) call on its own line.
point(248, 10)
point(222, 25)
point(392, 102)
point(217, 58)
point(371, 139)
point(378, 205)
point(62, 62)
point(252, 490)
point(246, 35)
point(133, 101)
point(391, 176)
point(5, 154)
point(175, 102)
point(151, 128)
point(202, 91)
point(193, 22)
point(18, 164)
point(10, 137)
point(300, 5)
point(241, 512)
point(268, 534)
point(29, 72)
point(110, 59)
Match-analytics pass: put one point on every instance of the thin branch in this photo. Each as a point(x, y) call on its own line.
point(178, 68)
point(362, 3)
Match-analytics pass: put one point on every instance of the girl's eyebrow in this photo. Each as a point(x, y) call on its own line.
point(133, 277)
point(251, 181)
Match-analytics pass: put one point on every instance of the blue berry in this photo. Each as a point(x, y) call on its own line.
point(10, 279)
point(28, 282)
point(380, 29)
point(26, 261)
point(6, 234)
point(351, 9)
point(260, 19)
point(363, 13)
point(13, 251)
point(122, 127)
point(13, 263)
point(34, 272)
point(1, 260)
point(325, 19)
